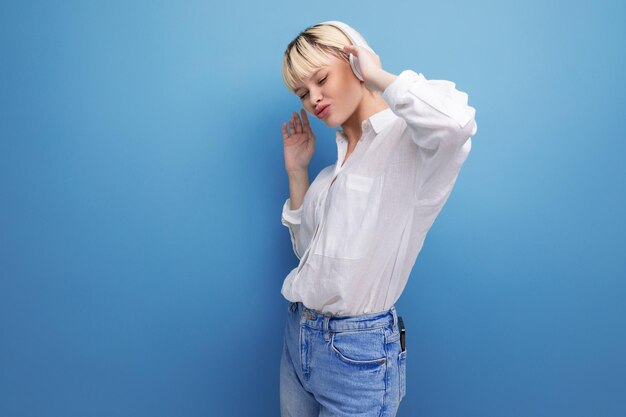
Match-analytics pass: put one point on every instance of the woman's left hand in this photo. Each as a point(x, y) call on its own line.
point(369, 64)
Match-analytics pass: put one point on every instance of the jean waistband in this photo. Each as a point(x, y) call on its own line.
point(317, 320)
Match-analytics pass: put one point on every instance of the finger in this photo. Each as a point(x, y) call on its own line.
point(292, 126)
point(297, 122)
point(351, 48)
point(305, 119)
point(305, 122)
point(285, 134)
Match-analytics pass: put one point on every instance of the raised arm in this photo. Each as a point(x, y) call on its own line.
point(440, 123)
point(299, 146)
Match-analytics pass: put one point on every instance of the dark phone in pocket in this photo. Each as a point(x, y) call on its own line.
point(402, 333)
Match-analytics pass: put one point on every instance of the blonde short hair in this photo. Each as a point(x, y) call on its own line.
point(310, 50)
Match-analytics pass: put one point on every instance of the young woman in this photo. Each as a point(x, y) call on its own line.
point(359, 226)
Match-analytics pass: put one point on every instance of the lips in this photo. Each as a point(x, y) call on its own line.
point(322, 111)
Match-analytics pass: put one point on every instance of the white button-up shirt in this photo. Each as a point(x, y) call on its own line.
point(358, 237)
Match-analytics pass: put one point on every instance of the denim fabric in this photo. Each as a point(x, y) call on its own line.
point(341, 365)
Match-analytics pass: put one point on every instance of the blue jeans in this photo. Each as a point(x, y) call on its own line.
point(341, 365)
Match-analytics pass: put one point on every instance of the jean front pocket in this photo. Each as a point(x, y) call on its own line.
point(360, 347)
point(402, 372)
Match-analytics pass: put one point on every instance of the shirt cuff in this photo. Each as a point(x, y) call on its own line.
point(292, 216)
point(397, 88)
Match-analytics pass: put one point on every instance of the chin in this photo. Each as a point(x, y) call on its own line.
point(331, 124)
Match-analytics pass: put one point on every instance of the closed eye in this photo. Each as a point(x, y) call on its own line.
point(307, 93)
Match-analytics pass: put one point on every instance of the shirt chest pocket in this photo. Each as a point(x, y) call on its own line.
point(350, 222)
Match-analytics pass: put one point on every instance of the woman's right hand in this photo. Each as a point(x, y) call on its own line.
point(299, 143)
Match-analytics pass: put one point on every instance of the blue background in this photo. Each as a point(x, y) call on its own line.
point(142, 178)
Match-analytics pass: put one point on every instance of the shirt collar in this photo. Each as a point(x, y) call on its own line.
point(378, 121)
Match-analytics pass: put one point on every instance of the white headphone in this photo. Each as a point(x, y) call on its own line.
point(356, 39)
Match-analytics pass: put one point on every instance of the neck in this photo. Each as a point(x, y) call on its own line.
point(371, 104)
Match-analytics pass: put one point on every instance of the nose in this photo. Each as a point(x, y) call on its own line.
point(316, 97)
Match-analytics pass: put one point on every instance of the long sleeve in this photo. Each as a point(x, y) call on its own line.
point(291, 219)
point(440, 123)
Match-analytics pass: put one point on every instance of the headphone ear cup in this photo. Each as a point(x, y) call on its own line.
point(354, 63)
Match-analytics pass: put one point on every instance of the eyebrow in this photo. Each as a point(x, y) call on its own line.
point(314, 74)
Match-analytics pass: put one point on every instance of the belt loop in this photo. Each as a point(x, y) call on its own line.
point(326, 321)
point(395, 319)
